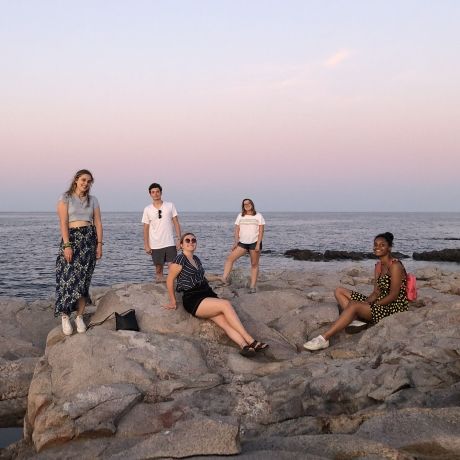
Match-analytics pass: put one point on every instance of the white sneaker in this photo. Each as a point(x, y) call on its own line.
point(356, 326)
point(67, 328)
point(357, 323)
point(81, 327)
point(318, 343)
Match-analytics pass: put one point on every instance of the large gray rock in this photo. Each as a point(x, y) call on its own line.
point(180, 388)
point(424, 433)
point(327, 446)
point(23, 330)
point(199, 436)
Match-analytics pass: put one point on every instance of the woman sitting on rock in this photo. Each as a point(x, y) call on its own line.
point(201, 301)
point(388, 297)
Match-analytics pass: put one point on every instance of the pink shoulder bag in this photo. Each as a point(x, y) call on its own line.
point(411, 282)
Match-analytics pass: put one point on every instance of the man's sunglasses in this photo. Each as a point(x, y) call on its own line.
point(190, 240)
point(159, 214)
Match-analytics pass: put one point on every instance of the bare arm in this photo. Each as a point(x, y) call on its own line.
point(260, 236)
point(178, 233)
point(397, 275)
point(173, 273)
point(63, 213)
point(236, 236)
point(375, 293)
point(99, 232)
point(147, 247)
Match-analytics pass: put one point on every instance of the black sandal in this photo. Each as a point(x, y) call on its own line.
point(247, 351)
point(259, 346)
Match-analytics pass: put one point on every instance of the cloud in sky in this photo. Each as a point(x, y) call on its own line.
point(337, 58)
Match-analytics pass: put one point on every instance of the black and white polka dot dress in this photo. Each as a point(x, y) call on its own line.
point(381, 311)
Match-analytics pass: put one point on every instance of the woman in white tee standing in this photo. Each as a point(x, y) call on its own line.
point(249, 231)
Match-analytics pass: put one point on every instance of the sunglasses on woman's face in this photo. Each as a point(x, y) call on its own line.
point(190, 240)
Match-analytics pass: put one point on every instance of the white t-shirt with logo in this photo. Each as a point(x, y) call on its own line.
point(161, 230)
point(249, 227)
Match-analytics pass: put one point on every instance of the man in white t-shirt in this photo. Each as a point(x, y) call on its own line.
point(159, 218)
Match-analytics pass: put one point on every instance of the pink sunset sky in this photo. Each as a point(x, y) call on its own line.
point(300, 105)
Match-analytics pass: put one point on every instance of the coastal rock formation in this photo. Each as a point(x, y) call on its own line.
point(315, 256)
point(444, 255)
point(179, 388)
point(23, 331)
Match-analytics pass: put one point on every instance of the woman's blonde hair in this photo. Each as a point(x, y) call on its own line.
point(73, 184)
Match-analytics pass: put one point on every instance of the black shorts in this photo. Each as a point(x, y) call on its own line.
point(192, 298)
point(163, 255)
point(250, 246)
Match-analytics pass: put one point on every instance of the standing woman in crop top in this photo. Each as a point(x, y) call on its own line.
point(81, 244)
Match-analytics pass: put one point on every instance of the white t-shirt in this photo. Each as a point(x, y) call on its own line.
point(249, 227)
point(161, 231)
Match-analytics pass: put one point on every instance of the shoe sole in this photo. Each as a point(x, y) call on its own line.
point(355, 329)
point(316, 349)
point(248, 353)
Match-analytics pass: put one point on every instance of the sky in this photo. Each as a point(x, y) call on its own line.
point(299, 105)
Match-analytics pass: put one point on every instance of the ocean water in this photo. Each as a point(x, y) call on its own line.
point(29, 243)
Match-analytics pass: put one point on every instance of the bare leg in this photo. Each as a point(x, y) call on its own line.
point(232, 257)
point(343, 297)
point(211, 307)
point(81, 304)
point(159, 273)
point(255, 256)
point(361, 309)
point(232, 333)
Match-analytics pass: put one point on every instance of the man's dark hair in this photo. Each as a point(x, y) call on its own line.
point(155, 185)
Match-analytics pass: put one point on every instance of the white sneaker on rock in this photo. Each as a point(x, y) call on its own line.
point(318, 343)
point(357, 323)
point(81, 327)
point(67, 328)
point(356, 326)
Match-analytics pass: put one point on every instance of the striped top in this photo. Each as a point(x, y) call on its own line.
point(189, 276)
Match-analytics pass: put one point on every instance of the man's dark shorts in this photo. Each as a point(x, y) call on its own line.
point(249, 247)
point(163, 255)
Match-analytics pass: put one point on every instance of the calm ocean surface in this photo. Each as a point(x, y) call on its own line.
point(29, 243)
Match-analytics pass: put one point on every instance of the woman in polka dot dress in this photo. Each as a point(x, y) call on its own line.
point(388, 297)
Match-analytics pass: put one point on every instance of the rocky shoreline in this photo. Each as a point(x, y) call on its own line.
point(180, 389)
point(444, 255)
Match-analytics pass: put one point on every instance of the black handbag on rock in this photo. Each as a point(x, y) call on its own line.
point(125, 321)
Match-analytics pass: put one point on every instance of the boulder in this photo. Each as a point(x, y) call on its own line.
point(179, 387)
point(23, 330)
point(444, 255)
point(331, 254)
point(421, 432)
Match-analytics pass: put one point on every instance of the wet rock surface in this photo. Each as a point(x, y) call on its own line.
point(445, 255)
point(315, 256)
point(179, 388)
